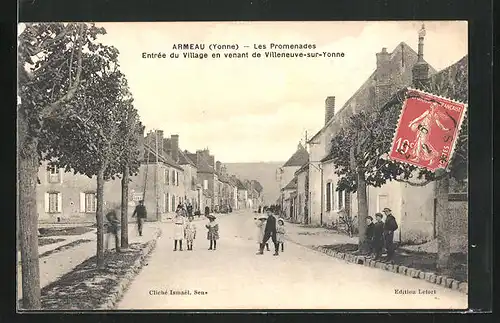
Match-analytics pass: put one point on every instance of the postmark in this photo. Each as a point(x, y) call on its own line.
point(427, 130)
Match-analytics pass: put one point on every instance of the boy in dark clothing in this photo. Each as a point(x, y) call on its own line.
point(369, 234)
point(113, 227)
point(141, 213)
point(378, 235)
point(389, 227)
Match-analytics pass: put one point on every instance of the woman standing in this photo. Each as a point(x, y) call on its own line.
point(178, 229)
point(213, 232)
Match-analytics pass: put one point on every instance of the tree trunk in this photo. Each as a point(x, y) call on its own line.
point(362, 209)
point(28, 164)
point(100, 219)
point(443, 223)
point(124, 213)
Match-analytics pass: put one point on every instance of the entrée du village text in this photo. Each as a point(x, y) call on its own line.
point(271, 50)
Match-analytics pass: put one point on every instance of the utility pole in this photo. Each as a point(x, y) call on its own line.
point(156, 174)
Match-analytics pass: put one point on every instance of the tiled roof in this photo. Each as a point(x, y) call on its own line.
point(191, 156)
point(240, 185)
point(403, 53)
point(291, 186)
point(302, 168)
point(204, 167)
point(162, 156)
point(299, 158)
point(257, 186)
point(184, 159)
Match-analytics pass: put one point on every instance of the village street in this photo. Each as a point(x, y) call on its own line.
point(234, 277)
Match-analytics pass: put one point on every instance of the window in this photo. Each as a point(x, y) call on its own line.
point(54, 174)
point(165, 202)
point(167, 176)
point(172, 180)
point(341, 199)
point(328, 196)
point(173, 203)
point(382, 202)
point(90, 203)
point(205, 184)
point(53, 202)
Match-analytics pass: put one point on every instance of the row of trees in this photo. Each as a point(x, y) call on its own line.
point(75, 112)
point(360, 151)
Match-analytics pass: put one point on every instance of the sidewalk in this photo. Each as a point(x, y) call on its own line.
point(310, 236)
point(55, 265)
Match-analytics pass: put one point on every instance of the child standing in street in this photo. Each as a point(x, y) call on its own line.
point(378, 236)
point(190, 233)
point(280, 233)
point(213, 232)
point(261, 225)
point(178, 229)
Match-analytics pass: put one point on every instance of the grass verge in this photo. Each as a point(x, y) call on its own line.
point(73, 231)
point(64, 247)
point(84, 287)
point(47, 241)
point(418, 260)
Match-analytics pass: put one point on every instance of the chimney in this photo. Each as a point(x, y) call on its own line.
point(383, 70)
point(420, 71)
point(174, 146)
point(218, 166)
point(329, 108)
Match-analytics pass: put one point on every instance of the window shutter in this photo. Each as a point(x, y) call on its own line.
point(59, 202)
point(82, 202)
point(47, 202)
point(61, 172)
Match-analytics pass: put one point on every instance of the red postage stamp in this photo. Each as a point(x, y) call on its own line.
point(427, 130)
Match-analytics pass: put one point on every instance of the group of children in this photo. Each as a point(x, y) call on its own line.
point(186, 230)
point(280, 232)
point(381, 234)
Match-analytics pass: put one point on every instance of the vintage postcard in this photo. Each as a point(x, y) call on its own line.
point(242, 165)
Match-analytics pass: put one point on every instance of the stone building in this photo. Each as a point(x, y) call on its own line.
point(412, 206)
point(286, 173)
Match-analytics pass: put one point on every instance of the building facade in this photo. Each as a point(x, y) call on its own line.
point(412, 206)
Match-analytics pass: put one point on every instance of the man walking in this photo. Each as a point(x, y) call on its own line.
point(378, 236)
point(389, 227)
point(141, 213)
point(269, 232)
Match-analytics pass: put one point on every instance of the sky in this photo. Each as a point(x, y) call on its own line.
point(257, 110)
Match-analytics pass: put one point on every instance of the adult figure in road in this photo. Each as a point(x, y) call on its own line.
point(390, 226)
point(190, 209)
point(207, 210)
point(269, 232)
point(141, 213)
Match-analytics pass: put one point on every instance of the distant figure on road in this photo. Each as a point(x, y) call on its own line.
point(189, 210)
point(113, 227)
point(178, 229)
point(207, 211)
point(378, 235)
point(389, 227)
point(141, 213)
point(190, 233)
point(261, 225)
point(260, 209)
point(281, 231)
point(213, 232)
point(269, 232)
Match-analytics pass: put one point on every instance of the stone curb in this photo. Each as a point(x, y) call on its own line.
point(117, 293)
point(444, 281)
